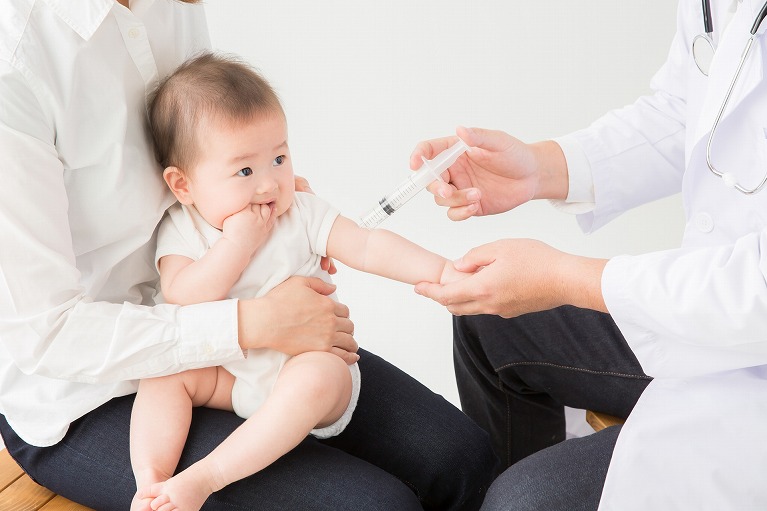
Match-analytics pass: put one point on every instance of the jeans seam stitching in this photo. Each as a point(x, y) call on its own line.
point(508, 422)
point(560, 366)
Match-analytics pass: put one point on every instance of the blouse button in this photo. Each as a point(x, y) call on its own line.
point(704, 222)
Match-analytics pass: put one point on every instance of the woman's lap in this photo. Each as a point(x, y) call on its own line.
point(428, 450)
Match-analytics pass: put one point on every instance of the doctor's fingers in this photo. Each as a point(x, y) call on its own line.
point(453, 296)
point(493, 141)
point(452, 303)
point(429, 149)
point(461, 204)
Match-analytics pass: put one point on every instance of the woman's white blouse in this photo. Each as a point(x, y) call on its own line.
point(80, 198)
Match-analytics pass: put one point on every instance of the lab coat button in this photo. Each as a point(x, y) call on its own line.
point(208, 349)
point(133, 33)
point(704, 222)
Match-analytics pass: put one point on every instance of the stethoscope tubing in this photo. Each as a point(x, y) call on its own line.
point(708, 24)
point(712, 168)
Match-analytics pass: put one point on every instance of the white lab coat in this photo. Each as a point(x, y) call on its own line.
point(696, 317)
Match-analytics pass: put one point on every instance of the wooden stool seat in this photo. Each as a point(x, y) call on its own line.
point(20, 493)
point(600, 421)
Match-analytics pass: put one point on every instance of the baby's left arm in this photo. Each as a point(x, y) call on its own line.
point(387, 254)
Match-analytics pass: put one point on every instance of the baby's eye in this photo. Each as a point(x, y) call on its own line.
point(245, 172)
point(278, 160)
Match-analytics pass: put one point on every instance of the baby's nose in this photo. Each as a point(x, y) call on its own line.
point(266, 185)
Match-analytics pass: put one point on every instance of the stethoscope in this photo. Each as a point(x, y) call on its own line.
point(703, 50)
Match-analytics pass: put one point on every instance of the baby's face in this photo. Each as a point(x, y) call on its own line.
point(242, 164)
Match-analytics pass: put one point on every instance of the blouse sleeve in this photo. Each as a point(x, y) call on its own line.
point(49, 325)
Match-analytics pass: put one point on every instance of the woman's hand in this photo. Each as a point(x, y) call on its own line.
point(497, 174)
point(297, 316)
point(514, 277)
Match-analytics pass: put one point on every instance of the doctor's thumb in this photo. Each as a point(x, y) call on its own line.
point(487, 141)
point(430, 290)
point(474, 259)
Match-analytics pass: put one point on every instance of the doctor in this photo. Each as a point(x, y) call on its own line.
point(694, 318)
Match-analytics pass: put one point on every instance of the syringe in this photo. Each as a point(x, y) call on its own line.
point(430, 171)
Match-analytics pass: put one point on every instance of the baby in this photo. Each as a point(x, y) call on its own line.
point(239, 228)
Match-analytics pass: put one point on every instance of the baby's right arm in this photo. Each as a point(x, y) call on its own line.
point(185, 281)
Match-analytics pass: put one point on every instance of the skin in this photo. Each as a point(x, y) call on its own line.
point(516, 276)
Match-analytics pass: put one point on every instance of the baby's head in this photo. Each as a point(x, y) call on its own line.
point(220, 134)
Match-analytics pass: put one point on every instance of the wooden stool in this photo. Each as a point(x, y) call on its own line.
point(600, 421)
point(20, 493)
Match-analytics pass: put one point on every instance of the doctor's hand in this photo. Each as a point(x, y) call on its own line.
point(496, 175)
point(517, 276)
point(297, 316)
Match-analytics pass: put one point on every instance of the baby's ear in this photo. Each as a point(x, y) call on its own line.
point(179, 184)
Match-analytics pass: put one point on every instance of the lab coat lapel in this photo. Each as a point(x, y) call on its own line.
point(725, 64)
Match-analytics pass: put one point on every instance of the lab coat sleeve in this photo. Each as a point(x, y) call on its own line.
point(693, 311)
point(49, 326)
point(636, 154)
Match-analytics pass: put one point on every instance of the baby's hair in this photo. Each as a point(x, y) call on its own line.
point(206, 88)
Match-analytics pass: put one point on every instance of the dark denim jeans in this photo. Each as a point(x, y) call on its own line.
point(514, 378)
point(406, 448)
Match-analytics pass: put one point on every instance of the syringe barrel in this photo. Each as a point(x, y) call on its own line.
point(430, 171)
point(395, 200)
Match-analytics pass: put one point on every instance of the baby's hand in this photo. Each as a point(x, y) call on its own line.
point(451, 274)
point(250, 227)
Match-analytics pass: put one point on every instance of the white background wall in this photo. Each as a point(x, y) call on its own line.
point(363, 82)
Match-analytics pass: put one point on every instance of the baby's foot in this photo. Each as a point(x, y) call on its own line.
point(186, 491)
point(142, 501)
point(144, 480)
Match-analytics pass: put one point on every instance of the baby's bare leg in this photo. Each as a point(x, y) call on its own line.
point(312, 390)
point(161, 416)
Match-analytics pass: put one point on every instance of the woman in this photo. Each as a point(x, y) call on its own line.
point(80, 201)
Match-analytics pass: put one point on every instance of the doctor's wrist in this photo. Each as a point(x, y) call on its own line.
point(553, 182)
point(580, 282)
